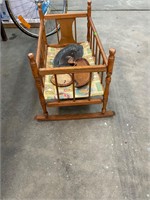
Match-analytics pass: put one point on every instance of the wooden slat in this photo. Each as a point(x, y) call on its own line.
point(66, 30)
point(75, 116)
point(65, 15)
point(77, 69)
point(70, 102)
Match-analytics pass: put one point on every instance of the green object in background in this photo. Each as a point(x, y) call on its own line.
point(95, 33)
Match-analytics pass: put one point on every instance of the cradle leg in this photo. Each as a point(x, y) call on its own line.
point(39, 83)
point(111, 60)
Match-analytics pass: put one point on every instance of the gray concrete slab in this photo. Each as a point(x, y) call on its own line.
point(85, 159)
point(110, 5)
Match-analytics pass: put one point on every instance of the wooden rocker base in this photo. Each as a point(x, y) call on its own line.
point(74, 116)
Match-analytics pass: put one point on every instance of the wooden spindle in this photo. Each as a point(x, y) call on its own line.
point(96, 55)
point(75, 29)
point(90, 84)
point(91, 38)
point(57, 90)
point(102, 75)
point(73, 87)
point(93, 45)
point(99, 57)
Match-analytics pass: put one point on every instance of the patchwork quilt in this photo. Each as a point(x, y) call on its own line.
point(66, 92)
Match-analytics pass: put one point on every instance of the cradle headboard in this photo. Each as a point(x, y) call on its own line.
point(67, 24)
point(68, 31)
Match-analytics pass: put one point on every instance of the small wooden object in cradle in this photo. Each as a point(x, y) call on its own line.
point(62, 80)
point(81, 79)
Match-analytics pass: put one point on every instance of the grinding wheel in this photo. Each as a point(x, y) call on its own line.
point(73, 50)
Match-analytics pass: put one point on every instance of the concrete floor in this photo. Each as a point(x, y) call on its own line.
point(97, 159)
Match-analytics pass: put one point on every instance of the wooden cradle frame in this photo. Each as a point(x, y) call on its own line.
point(103, 65)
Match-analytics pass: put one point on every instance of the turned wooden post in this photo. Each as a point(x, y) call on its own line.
point(38, 82)
point(42, 19)
point(111, 60)
point(89, 15)
point(40, 11)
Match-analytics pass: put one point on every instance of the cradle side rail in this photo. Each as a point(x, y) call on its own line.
point(40, 72)
point(73, 71)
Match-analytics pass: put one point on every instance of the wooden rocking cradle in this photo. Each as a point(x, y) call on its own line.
point(100, 68)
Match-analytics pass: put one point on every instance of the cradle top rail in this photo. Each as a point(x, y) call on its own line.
point(65, 15)
point(77, 69)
